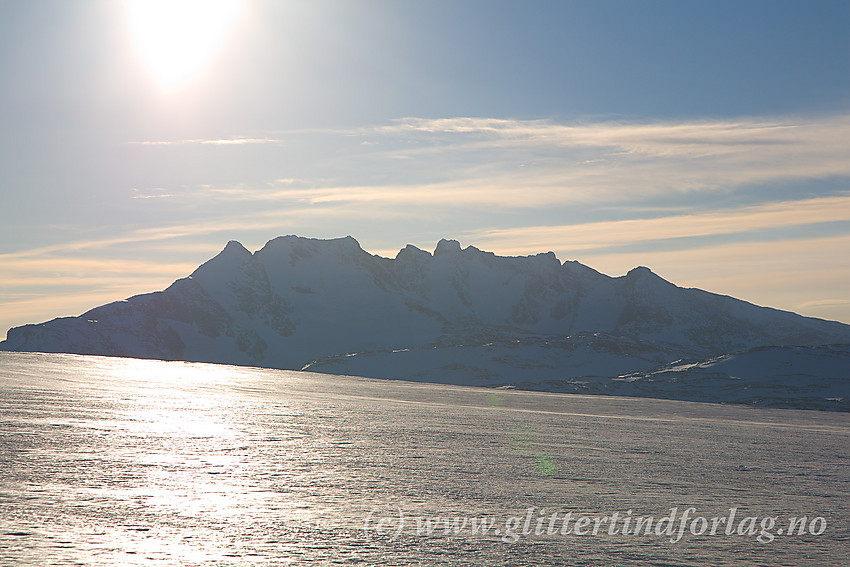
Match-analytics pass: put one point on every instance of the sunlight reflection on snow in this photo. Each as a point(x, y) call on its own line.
point(134, 462)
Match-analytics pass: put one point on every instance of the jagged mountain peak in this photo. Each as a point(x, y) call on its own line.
point(412, 252)
point(230, 259)
point(232, 250)
point(235, 246)
point(643, 273)
point(300, 300)
point(643, 277)
point(447, 246)
point(294, 241)
point(292, 249)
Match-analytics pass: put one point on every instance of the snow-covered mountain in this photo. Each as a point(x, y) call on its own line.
point(457, 315)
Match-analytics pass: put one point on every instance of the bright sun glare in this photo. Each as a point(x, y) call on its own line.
point(177, 39)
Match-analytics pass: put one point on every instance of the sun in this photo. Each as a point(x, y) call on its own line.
point(177, 39)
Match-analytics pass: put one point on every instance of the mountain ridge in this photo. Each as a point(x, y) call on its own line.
point(299, 303)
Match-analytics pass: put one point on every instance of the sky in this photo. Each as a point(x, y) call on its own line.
point(706, 140)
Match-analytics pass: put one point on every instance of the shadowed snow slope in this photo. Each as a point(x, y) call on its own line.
point(457, 315)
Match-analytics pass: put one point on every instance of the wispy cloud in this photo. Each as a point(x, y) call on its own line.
point(601, 235)
point(60, 286)
point(526, 164)
point(45, 306)
point(273, 219)
point(844, 303)
point(691, 138)
point(612, 159)
point(74, 270)
point(151, 196)
point(209, 142)
point(155, 193)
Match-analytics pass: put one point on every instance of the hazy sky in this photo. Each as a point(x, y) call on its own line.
point(709, 141)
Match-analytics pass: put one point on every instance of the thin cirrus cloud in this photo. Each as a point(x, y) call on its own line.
point(595, 236)
point(95, 255)
point(601, 235)
point(209, 142)
point(46, 271)
point(652, 157)
point(44, 285)
point(45, 306)
point(649, 138)
point(535, 163)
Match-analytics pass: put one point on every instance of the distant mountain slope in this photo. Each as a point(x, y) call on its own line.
point(457, 315)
